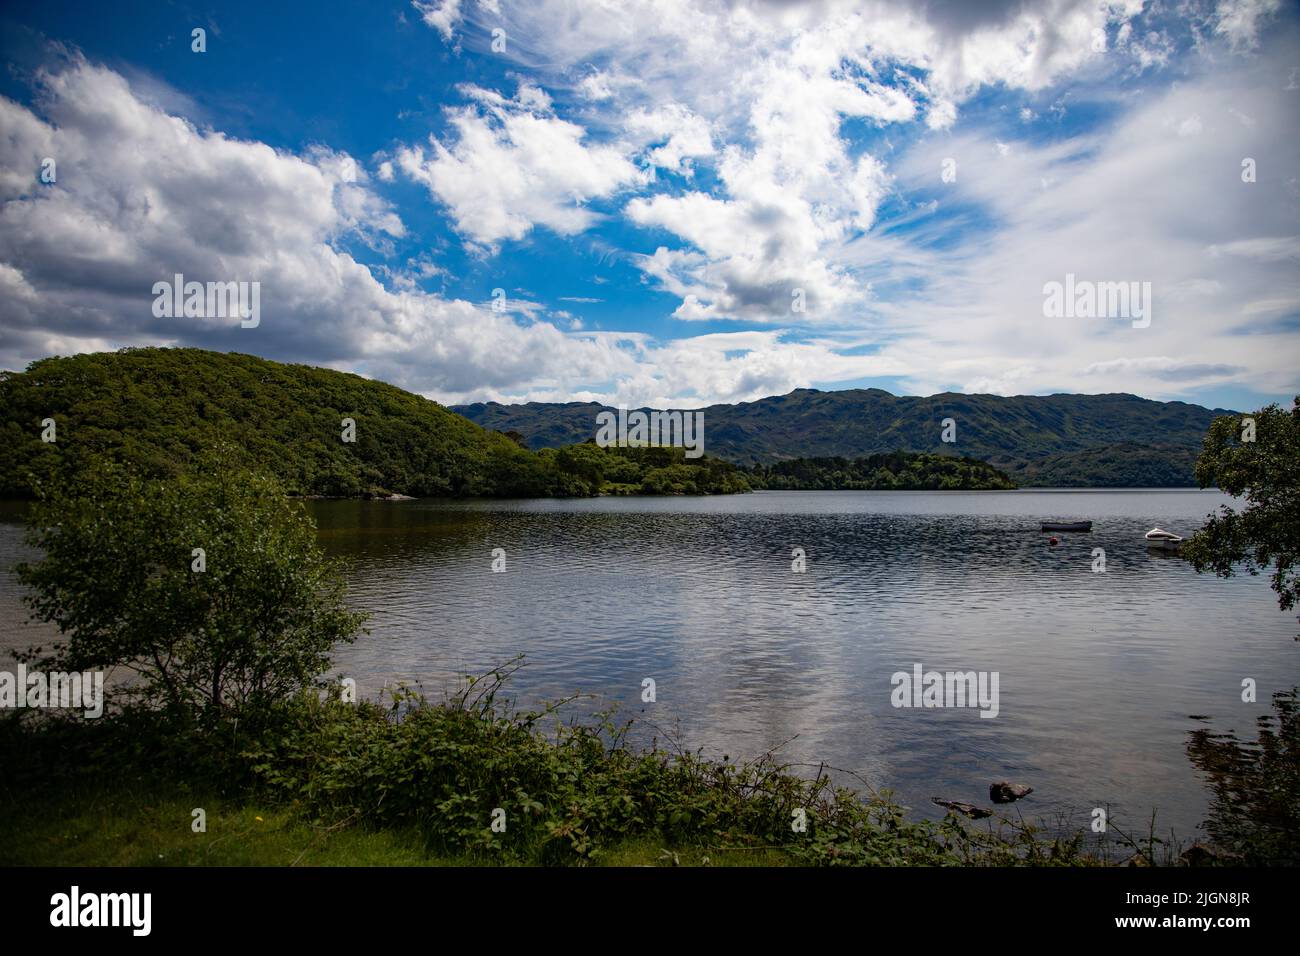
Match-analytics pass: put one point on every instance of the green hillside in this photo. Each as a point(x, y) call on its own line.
point(1122, 465)
point(1081, 440)
point(158, 408)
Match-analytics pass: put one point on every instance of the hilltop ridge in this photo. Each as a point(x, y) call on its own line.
point(1062, 440)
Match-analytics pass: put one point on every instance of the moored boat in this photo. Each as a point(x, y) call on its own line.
point(1067, 525)
point(1163, 540)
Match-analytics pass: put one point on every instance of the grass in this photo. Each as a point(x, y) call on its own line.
point(121, 828)
point(114, 825)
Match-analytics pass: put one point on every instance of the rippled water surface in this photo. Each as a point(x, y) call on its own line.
point(1099, 673)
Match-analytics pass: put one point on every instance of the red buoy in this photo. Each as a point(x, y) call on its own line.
point(1053, 540)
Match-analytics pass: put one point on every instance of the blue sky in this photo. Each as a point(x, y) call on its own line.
point(654, 186)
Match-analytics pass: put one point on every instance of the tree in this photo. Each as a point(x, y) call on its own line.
point(586, 462)
point(210, 586)
point(1266, 472)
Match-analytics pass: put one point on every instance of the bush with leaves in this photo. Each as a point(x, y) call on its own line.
point(248, 622)
point(443, 769)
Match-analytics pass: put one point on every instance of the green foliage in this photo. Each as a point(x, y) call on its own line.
point(1121, 465)
point(443, 769)
point(665, 470)
point(1256, 784)
point(119, 578)
point(572, 792)
point(670, 480)
point(1049, 440)
point(897, 471)
point(1265, 534)
point(588, 469)
point(158, 409)
point(586, 462)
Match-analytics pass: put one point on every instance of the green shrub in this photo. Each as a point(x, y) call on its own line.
point(445, 768)
point(210, 586)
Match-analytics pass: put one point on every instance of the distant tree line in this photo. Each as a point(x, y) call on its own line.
point(896, 471)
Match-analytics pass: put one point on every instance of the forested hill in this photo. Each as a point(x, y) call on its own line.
point(158, 409)
point(1111, 440)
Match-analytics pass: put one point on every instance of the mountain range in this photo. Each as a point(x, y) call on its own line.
point(157, 408)
point(1111, 440)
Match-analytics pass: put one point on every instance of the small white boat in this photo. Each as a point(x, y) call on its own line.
point(1163, 540)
